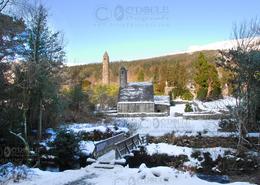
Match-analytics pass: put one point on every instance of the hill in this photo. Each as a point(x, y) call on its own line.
point(152, 69)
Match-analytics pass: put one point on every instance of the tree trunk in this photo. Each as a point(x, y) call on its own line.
point(40, 122)
point(209, 88)
point(25, 125)
point(27, 149)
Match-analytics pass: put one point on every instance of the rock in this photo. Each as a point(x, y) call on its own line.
point(142, 167)
point(156, 173)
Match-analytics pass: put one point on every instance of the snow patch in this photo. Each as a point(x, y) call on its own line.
point(174, 150)
point(217, 105)
point(86, 147)
point(118, 176)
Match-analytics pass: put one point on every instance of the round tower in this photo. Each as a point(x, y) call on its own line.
point(105, 71)
point(123, 77)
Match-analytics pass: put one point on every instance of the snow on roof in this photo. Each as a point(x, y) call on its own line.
point(162, 100)
point(136, 92)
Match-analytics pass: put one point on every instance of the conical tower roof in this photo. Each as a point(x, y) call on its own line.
point(105, 54)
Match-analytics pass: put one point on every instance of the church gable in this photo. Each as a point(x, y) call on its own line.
point(137, 92)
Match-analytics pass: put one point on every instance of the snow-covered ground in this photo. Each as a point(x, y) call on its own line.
point(222, 45)
point(159, 126)
point(86, 147)
point(87, 127)
point(178, 108)
point(154, 126)
point(117, 176)
point(173, 150)
point(217, 105)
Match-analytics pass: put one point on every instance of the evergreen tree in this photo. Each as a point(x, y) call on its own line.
point(178, 77)
point(140, 77)
point(11, 45)
point(44, 57)
point(162, 78)
point(79, 105)
point(206, 79)
point(105, 96)
point(11, 36)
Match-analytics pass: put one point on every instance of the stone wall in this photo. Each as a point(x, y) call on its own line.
point(153, 114)
point(128, 107)
point(162, 108)
point(212, 116)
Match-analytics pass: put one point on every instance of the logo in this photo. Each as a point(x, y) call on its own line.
point(119, 15)
point(7, 152)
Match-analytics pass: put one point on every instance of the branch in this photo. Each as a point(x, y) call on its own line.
point(3, 4)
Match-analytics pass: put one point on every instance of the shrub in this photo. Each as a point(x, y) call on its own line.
point(10, 172)
point(155, 160)
point(188, 108)
point(197, 155)
point(227, 125)
point(172, 103)
point(216, 93)
point(65, 148)
point(187, 95)
point(202, 94)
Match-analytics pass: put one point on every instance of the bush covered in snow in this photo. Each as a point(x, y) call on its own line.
point(228, 125)
point(10, 172)
point(226, 164)
point(188, 108)
point(156, 160)
point(96, 135)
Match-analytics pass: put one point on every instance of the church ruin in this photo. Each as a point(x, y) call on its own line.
point(137, 98)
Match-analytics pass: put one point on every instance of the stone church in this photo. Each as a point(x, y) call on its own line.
point(136, 98)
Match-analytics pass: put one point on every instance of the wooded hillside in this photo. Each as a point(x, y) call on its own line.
point(172, 68)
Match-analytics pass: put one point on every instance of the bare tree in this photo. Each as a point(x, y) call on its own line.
point(16, 8)
point(247, 35)
point(243, 60)
point(3, 4)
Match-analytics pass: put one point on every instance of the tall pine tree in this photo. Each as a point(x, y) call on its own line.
point(44, 57)
point(206, 79)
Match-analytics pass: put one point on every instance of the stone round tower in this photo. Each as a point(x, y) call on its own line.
point(105, 71)
point(123, 77)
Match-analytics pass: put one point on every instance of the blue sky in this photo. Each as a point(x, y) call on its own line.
point(143, 28)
